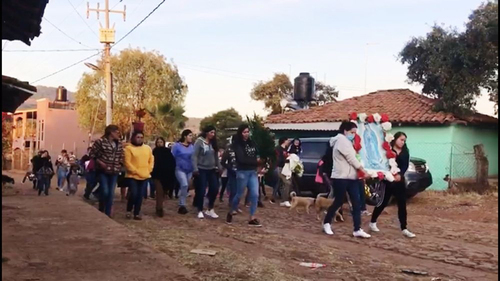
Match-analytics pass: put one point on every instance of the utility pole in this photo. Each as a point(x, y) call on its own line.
point(107, 36)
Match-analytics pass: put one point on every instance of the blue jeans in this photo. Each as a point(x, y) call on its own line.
point(136, 190)
point(152, 189)
point(61, 177)
point(204, 179)
point(340, 188)
point(107, 184)
point(231, 186)
point(183, 179)
point(43, 183)
point(250, 180)
point(91, 179)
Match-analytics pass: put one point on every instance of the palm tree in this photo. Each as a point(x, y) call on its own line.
point(169, 119)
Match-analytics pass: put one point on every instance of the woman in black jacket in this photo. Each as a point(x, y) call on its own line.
point(43, 169)
point(246, 174)
point(163, 173)
point(396, 188)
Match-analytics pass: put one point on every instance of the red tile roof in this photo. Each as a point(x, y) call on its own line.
point(402, 106)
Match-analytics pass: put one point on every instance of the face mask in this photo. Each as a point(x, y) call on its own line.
point(350, 137)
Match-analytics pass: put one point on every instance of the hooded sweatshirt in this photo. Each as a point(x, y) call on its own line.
point(246, 155)
point(204, 156)
point(345, 164)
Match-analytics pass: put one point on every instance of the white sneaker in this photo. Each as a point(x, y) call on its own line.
point(200, 215)
point(327, 228)
point(373, 227)
point(366, 213)
point(212, 214)
point(361, 233)
point(408, 234)
point(286, 204)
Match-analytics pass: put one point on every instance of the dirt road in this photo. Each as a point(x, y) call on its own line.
point(457, 239)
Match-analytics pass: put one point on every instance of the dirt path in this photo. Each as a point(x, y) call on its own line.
point(457, 239)
point(61, 238)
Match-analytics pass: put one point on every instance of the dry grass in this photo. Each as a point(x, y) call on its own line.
point(226, 265)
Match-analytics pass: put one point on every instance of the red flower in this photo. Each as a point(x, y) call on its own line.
point(370, 119)
point(357, 142)
point(361, 175)
point(386, 146)
point(140, 113)
point(390, 154)
point(385, 118)
point(380, 175)
point(353, 116)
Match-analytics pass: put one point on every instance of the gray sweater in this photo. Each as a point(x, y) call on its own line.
point(345, 164)
point(204, 156)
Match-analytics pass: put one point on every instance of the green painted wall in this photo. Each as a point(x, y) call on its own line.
point(464, 139)
point(432, 144)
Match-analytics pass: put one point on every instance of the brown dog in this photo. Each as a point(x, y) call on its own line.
point(304, 202)
point(322, 204)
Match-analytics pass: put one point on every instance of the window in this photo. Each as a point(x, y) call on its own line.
point(314, 150)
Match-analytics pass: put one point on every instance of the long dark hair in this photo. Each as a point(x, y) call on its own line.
point(347, 126)
point(238, 138)
point(159, 138)
point(213, 141)
point(184, 134)
point(396, 137)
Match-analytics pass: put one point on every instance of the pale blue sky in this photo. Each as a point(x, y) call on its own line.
point(222, 47)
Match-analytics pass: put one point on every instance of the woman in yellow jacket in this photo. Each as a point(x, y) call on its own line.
point(139, 165)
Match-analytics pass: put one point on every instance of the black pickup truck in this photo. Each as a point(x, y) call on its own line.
point(418, 176)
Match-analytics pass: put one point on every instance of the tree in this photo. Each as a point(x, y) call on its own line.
point(142, 80)
point(263, 138)
point(454, 66)
point(6, 134)
point(170, 119)
point(222, 120)
point(280, 87)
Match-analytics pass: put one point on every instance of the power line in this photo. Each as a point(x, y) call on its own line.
point(67, 67)
point(50, 51)
point(137, 25)
point(84, 21)
point(65, 33)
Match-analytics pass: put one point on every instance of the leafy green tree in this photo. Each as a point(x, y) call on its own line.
point(222, 120)
point(142, 80)
point(263, 138)
point(280, 87)
point(170, 120)
point(454, 66)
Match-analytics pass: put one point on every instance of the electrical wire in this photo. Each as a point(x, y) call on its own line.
point(50, 51)
point(137, 25)
point(73, 39)
point(80, 16)
point(67, 67)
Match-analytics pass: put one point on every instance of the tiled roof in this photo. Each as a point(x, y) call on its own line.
point(402, 106)
point(21, 19)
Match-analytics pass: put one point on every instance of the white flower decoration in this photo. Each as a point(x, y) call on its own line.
point(389, 177)
point(389, 137)
point(395, 170)
point(386, 126)
point(354, 121)
point(392, 162)
point(377, 117)
point(362, 117)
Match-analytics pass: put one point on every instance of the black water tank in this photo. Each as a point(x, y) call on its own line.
point(304, 87)
point(62, 94)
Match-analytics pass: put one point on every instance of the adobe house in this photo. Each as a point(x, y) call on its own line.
point(444, 140)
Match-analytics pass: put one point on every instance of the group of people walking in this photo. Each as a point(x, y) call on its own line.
point(201, 164)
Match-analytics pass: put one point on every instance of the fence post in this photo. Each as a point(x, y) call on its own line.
point(482, 165)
